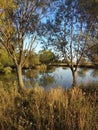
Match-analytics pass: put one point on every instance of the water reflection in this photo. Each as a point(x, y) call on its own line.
point(30, 77)
point(82, 72)
point(54, 77)
point(88, 76)
point(94, 73)
point(31, 73)
point(60, 76)
point(47, 80)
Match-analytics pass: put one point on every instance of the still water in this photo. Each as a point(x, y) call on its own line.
point(53, 77)
point(59, 77)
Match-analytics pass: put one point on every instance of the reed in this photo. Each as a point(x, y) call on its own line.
point(55, 109)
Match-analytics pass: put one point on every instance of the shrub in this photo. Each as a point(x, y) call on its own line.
point(7, 70)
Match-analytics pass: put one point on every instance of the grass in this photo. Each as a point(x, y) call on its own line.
point(56, 109)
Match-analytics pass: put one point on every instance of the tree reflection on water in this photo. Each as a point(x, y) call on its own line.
point(94, 73)
point(47, 79)
point(38, 77)
point(52, 77)
point(82, 72)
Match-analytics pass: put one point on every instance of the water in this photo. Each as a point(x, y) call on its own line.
point(59, 77)
point(54, 77)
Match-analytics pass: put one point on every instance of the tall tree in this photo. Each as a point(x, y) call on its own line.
point(19, 20)
point(65, 32)
point(88, 10)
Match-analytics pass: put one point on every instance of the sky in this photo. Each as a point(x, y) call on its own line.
point(50, 12)
point(36, 46)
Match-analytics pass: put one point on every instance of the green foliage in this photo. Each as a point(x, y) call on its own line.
point(7, 70)
point(1, 66)
point(41, 68)
point(32, 73)
point(5, 60)
point(47, 57)
point(32, 59)
point(18, 20)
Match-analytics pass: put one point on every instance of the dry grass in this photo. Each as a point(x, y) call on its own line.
point(56, 109)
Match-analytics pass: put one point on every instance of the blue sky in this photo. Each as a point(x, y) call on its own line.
point(37, 46)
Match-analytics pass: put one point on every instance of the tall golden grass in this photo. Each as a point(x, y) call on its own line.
point(56, 109)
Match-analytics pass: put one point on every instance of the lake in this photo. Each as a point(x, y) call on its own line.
point(59, 77)
point(54, 77)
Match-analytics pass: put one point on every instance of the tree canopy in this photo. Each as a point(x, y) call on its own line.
point(19, 20)
point(72, 32)
point(47, 57)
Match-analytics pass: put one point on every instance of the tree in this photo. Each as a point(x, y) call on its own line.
point(66, 34)
point(93, 54)
point(89, 13)
point(32, 60)
point(5, 60)
point(46, 57)
point(19, 20)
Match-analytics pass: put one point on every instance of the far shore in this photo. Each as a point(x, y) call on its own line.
point(88, 65)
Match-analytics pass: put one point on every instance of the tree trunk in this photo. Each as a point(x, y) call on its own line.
point(74, 79)
point(19, 76)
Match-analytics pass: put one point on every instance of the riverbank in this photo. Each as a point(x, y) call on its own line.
point(57, 109)
point(88, 65)
point(44, 67)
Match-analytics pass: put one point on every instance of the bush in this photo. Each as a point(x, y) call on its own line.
point(1, 67)
point(42, 67)
point(7, 70)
